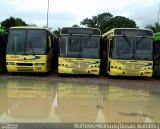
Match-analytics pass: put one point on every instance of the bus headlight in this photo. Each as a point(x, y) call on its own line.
point(10, 63)
point(114, 67)
point(39, 64)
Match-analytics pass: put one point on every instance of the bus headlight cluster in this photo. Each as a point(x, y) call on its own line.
point(39, 64)
point(148, 68)
point(10, 63)
point(96, 66)
point(64, 65)
point(116, 67)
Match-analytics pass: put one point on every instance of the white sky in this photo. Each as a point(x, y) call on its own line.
point(63, 13)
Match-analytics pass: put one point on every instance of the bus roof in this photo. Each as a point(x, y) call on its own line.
point(29, 27)
point(135, 32)
point(32, 27)
point(80, 30)
point(157, 36)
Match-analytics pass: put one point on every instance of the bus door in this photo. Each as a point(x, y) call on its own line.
point(157, 58)
point(103, 53)
point(109, 51)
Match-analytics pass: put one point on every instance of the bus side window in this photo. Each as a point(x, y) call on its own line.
point(111, 47)
point(49, 41)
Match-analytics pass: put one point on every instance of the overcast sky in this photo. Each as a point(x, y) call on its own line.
point(64, 13)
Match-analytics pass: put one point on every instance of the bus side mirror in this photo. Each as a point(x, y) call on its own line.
point(49, 41)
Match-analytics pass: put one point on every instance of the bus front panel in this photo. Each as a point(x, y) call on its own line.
point(130, 68)
point(78, 66)
point(27, 63)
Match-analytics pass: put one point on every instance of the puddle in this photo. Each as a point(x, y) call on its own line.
point(29, 101)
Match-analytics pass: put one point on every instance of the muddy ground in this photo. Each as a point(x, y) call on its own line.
point(150, 84)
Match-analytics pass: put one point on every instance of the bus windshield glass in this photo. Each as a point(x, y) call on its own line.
point(23, 41)
point(138, 48)
point(79, 46)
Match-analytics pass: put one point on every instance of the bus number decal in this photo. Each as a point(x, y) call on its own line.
point(122, 62)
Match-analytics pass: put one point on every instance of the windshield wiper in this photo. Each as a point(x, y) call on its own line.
point(140, 39)
point(129, 43)
point(30, 45)
point(125, 37)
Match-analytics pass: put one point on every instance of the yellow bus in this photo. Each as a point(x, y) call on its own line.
point(79, 51)
point(129, 52)
point(30, 49)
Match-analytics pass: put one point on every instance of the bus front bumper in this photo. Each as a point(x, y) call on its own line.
point(64, 70)
point(40, 69)
point(144, 73)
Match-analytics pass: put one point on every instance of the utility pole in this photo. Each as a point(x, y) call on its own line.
point(158, 13)
point(47, 12)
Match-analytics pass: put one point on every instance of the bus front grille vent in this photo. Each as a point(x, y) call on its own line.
point(24, 64)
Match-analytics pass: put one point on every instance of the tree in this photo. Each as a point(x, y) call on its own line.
point(75, 25)
point(97, 21)
point(155, 27)
point(57, 32)
point(149, 27)
point(120, 22)
point(12, 22)
point(2, 27)
point(106, 21)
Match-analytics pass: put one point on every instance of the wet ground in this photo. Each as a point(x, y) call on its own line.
point(69, 99)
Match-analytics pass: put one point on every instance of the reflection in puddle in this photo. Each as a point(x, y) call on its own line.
point(121, 93)
point(59, 102)
point(77, 102)
point(3, 97)
point(28, 101)
point(130, 105)
point(135, 114)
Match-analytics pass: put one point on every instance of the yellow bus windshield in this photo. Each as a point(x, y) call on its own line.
point(128, 48)
point(79, 46)
point(28, 42)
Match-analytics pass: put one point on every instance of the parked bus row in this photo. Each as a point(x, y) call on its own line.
point(120, 51)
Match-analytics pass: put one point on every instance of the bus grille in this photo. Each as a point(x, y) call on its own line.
point(79, 71)
point(25, 64)
point(81, 64)
point(25, 69)
point(133, 72)
point(132, 67)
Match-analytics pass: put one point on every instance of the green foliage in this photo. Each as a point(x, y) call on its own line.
point(12, 22)
point(155, 28)
point(120, 22)
point(106, 21)
point(57, 32)
point(97, 21)
point(75, 25)
point(2, 27)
